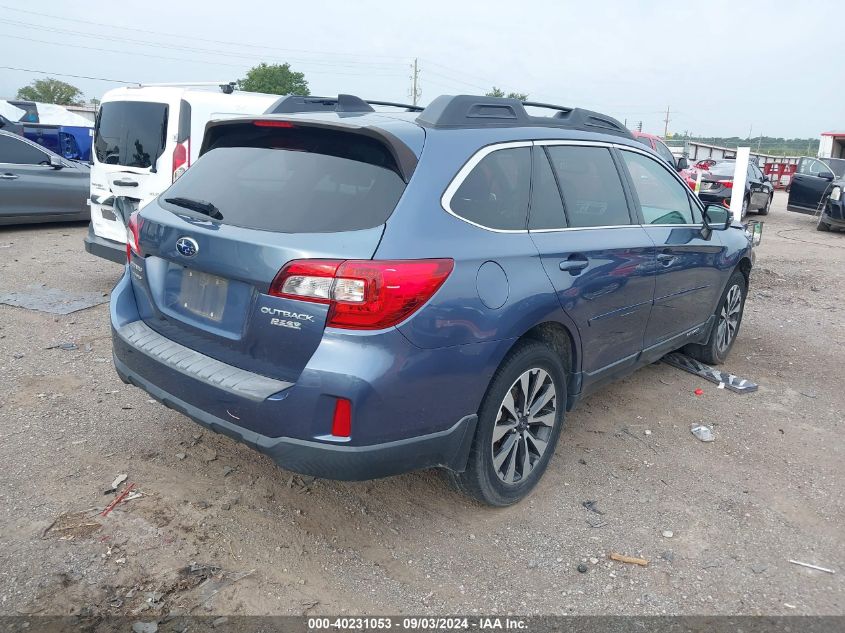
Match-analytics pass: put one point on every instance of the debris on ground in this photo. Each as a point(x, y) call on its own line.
point(582, 568)
point(668, 534)
point(180, 456)
point(68, 347)
point(126, 490)
point(591, 506)
point(699, 392)
point(596, 522)
point(144, 627)
point(668, 556)
point(621, 558)
point(811, 566)
point(53, 300)
point(227, 470)
point(704, 433)
point(117, 481)
point(759, 568)
point(72, 525)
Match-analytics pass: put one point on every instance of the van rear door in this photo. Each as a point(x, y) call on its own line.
point(132, 142)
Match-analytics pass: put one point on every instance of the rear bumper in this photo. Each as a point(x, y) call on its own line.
point(101, 247)
point(448, 448)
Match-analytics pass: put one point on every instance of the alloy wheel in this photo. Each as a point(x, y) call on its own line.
point(524, 425)
point(729, 318)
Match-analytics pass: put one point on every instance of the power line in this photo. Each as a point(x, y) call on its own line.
point(183, 59)
point(182, 36)
point(44, 72)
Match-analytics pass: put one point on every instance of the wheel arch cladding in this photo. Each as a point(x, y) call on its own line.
point(744, 267)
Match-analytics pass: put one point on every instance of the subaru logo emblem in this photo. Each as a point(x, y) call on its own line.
point(187, 246)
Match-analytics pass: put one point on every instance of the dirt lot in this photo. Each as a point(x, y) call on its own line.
point(220, 529)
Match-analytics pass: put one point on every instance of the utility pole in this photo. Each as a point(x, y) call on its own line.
point(666, 123)
point(640, 126)
point(415, 83)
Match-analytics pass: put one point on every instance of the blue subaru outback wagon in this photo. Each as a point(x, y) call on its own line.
point(359, 294)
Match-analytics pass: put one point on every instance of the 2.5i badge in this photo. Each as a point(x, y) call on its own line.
point(286, 318)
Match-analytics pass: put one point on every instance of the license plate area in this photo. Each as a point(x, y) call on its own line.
point(203, 295)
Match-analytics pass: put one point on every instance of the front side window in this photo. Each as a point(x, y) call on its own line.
point(495, 193)
point(14, 151)
point(812, 167)
point(665, 153)
point(663, 199)
point(590, 184)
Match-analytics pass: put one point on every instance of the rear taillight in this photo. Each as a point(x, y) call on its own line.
point(727, 184)
point(180, 159)
point(133, 234)
point(363, 294)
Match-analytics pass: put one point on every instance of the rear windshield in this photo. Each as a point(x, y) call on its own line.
point(293, 181)
point(130, 133)
point(723, 169)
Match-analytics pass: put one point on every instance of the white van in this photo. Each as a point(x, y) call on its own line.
point(145, 138)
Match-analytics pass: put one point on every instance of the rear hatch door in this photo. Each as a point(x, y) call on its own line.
point(213, 243)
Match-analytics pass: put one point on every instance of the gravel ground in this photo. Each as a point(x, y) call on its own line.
point(221, 530)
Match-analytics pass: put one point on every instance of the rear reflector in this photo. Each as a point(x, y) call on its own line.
point(266, 123)
point(363, 294)
point(342, 420)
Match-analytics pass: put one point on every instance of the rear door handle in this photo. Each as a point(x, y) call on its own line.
point(8, 176)
point(125, 183)
point(667, 259)
point(575, 264)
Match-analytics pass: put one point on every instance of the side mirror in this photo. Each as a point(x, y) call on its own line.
point(716, 218)
point(682, 163)
point(56, 162)
point(825, 175)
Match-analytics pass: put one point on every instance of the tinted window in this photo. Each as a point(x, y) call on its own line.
point(837, 165)
point(495, 193)
point(812, 167)
point(546, 206)
point(589, 181)
point(645, 141)
point(662, 198)
point(294, 181)
point(16, 151)
point(665, 153)
point(130, 133)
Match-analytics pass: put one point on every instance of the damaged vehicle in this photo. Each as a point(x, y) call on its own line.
point(359, 294)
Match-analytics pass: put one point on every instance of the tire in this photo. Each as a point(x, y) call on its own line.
point(822, 225)
point(717, 348)
point(497, 472)
point(745, 203)
point(765, 210)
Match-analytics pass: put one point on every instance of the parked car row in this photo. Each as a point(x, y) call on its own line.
point(324, 290)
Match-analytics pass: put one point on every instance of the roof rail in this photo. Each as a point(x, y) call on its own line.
point(289, 104)
point(227, 87)
point(471, 111)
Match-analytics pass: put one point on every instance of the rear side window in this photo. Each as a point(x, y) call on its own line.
point(130, 133)
point(16, 152)
point(495, 193)
point(663, 199)
point(293, 181)
point(546, 205)
point(589, 181)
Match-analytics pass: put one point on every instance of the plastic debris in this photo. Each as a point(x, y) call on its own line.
point(633, 560)
point(699, 392)
point(582, 568)
point(126, 490)
point(68, 347)
point(53, 300)
point(117, 481)
point(811, 566)
point(704, 433)
point(724, 379)
point(668, 534)
point(591, 506)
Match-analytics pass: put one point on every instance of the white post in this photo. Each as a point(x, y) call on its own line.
point(740, 176)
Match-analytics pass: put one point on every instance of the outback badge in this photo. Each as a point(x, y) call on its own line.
point(187, 246)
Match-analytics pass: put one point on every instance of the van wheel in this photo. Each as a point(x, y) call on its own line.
point(519, 423)
point(726, 327)
point(765, 210)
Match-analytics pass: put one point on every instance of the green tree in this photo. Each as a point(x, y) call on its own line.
point(276, 79)
point(498, 92)
point(51, 90)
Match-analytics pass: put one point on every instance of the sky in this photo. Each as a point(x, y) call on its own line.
point(722, 68)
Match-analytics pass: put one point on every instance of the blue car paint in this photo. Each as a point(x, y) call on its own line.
point(425, 378)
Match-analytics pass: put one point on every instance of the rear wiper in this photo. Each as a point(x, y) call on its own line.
point(197, 205)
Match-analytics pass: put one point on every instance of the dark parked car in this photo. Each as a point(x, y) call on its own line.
point(360, 294)
point(37, 185)
point(717, 187)
point(816, 187)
